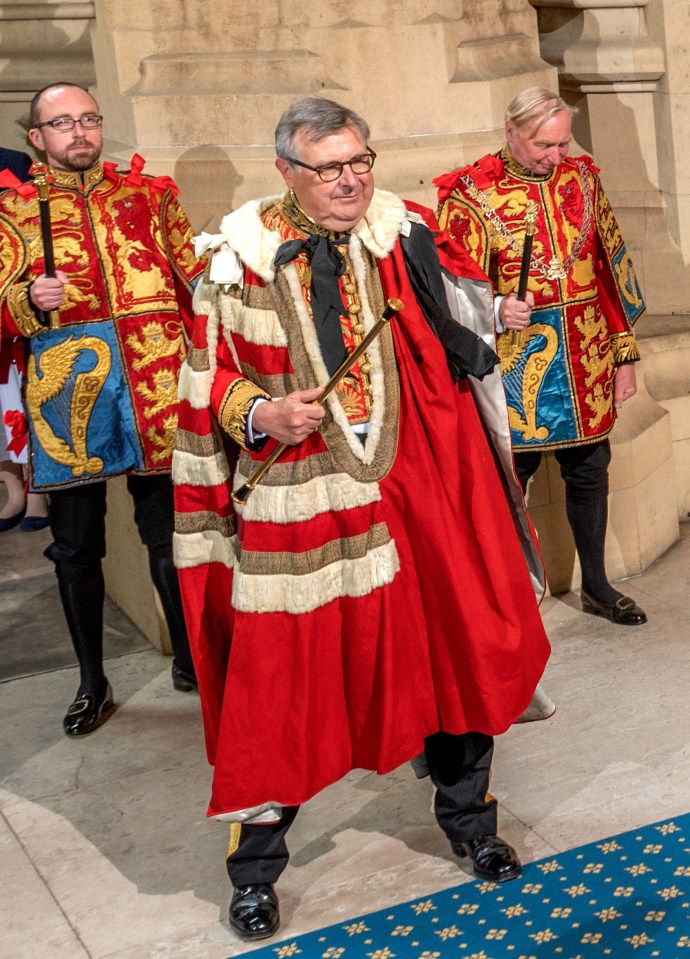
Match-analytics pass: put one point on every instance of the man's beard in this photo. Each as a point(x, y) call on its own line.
point(78, 162)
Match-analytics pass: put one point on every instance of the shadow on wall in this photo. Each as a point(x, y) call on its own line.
point(208, 182)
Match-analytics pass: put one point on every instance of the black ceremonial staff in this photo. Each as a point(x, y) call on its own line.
point(42, 187)
point(530, 230)
point(393, 306)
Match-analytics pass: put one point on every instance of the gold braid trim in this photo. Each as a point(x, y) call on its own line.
point(624, 348)
point(22, 312)
point(235, 406)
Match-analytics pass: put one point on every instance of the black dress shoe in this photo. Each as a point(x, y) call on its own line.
point(254, 912)
point(624, 612)
point(491, 858)
point(183, 682)
point(87, 713)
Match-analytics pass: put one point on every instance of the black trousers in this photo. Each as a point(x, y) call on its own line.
point(585, 472)
point(460, 768)
point(77, 522)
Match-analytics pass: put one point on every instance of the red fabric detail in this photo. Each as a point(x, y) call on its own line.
point(455, 258)
point(27, 190)
point(309, 534)
point(609, 297)
point(16, 420)
point(271, 360)
point(8, 181)
point(208, 613)
point(454, 642)
point(11, 351)
point(426, 214)
point(251, 279)
point(134, 177)
point(110, 171)
point(161, 183)
point(587, 160)
point(484, 173)
point(445, 184)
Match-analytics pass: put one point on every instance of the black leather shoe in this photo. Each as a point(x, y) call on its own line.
point(86, 713)
point(183, 682)
point(491, 858)
point(254, 912)
point(624, 612)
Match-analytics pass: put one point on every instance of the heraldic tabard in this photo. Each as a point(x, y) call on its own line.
point(101, 389)
point(558, 373)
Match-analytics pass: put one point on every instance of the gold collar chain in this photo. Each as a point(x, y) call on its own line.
point(555, 269)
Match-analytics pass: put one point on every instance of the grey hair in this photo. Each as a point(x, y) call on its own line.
point(319, 118)
point(535, 103)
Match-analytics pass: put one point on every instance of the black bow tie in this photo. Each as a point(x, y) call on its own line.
point(327, 265)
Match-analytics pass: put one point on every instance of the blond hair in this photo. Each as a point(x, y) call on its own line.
point(535, 103)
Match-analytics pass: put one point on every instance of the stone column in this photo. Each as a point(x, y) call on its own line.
point(42, 42)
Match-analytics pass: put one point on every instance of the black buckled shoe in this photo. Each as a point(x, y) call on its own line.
point(87, 713)
point(254, 912)
point(183, 682)
point(624, 612)
point(492, 858)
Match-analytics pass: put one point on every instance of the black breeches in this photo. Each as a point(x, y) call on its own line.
point(585, 472)
point(459, 766)
point(77, 522)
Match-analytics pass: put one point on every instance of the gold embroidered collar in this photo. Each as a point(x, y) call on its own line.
point(290, 208)
point(77, 179)
point(517, 169)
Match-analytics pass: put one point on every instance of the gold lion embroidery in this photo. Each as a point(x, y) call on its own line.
point(165, 441)
point(163, 394)
point(596, 363)
point(591, 326)
point(56, 369)
point(153, 345)
point(599, 403)
point(74, 295)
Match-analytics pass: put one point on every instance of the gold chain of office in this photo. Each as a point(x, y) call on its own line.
point(555, 269)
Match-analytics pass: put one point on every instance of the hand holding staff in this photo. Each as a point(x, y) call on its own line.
point(393, 306)
point(530, 230)
point(41, 181)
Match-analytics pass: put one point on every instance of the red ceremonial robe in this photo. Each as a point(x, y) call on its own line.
point(449, 639)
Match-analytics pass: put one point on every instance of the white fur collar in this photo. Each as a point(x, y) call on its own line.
point(248, 237)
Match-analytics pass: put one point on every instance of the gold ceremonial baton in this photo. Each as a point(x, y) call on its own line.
point(393, 306)
point(530, 230)
point(42, 187)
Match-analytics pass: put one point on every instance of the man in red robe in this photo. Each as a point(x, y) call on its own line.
point(373, 582)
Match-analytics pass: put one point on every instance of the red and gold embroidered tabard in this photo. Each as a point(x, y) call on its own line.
point(126, 247)
point(558, 374)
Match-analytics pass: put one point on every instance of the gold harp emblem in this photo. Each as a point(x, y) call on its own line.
point(57, 365)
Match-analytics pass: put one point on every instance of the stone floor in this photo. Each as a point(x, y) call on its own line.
point(105, 849)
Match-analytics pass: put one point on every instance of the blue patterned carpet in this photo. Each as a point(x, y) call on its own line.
point(627, 896)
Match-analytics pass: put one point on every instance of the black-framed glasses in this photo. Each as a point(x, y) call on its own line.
point(328, 172)
point(89, 121)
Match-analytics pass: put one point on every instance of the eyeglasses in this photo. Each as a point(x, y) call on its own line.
point(90, 121)
point(328, 172)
